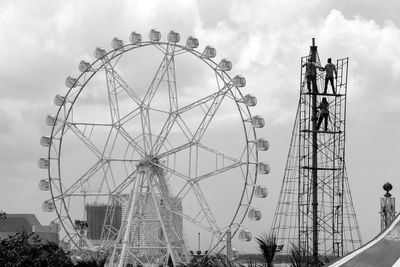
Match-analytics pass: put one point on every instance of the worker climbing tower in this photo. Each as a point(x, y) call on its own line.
point(315, 212)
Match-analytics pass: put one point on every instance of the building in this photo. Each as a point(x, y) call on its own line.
point(15, 223)
point(96, 215)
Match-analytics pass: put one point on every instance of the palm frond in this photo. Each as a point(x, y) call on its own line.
point(299, 257)
point(267, 246)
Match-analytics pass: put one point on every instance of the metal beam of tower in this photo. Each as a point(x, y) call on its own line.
point(315, 212)
point(313, 50)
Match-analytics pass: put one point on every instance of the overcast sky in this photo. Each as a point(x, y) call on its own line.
point(42, 42)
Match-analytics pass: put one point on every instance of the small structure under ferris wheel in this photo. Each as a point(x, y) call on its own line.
point(315, 211)
point(136, 163)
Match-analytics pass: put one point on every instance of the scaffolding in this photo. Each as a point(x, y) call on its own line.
point(315, 210)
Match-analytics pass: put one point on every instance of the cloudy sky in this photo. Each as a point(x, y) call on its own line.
point(42, 42)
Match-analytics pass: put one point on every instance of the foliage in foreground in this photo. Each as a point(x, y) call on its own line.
point(267, 246)
point(23, 249)
point(299, 257)
point(218, 260)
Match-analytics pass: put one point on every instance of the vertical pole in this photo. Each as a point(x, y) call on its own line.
point(313, 49)
point(198, 239)
point(229, 246)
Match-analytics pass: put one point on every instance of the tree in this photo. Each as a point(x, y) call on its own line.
point(23, 249)
point(267, 246)
point(217, 260)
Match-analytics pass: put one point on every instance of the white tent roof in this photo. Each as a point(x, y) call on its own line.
point(382, 251)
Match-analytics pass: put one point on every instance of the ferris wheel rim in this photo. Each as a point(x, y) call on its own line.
point(119, 52)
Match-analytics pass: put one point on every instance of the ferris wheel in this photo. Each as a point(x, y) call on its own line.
point(152, 146)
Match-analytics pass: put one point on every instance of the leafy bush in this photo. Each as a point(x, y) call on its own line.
point(299, 257)
point(23, 249)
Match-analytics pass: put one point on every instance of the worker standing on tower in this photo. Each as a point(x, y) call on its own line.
point(323, 113)
point(311, 75)
point(330, 69)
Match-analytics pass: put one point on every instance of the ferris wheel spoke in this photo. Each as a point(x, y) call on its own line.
point(196, 221)
point(218, 171)
point(108, 174)
point(146, 130)
point(109, 143)
point(175, 150)
point(173, 106)
point(122, 160)
point(119, 84)
point(128, 117)
point(132, 142)
point(173, 119)
point(124, 184)
point(104, 181)
point(85, 177)
point(184, 128)
point(195, 188)
point(205, 208)
point(199, 102)
point(219, 154)
point(174, 172)
point(84, 138)
point(83, 194)
point(163, 188)
point(112, 92)
point(165, 72)
point(162, 136)
point(88, 124)
point(171, 80)
point(226, 163)
point(210, 112)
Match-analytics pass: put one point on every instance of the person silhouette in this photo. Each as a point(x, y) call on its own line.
point(329, 70)
point(311, 75)
point(323, 113)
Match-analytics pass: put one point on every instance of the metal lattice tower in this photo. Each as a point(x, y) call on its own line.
point(315, 210)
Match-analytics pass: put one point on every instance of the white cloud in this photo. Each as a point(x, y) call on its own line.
point(43, 41)
point(374, 57)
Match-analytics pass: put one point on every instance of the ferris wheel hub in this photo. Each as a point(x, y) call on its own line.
point(148, 165)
